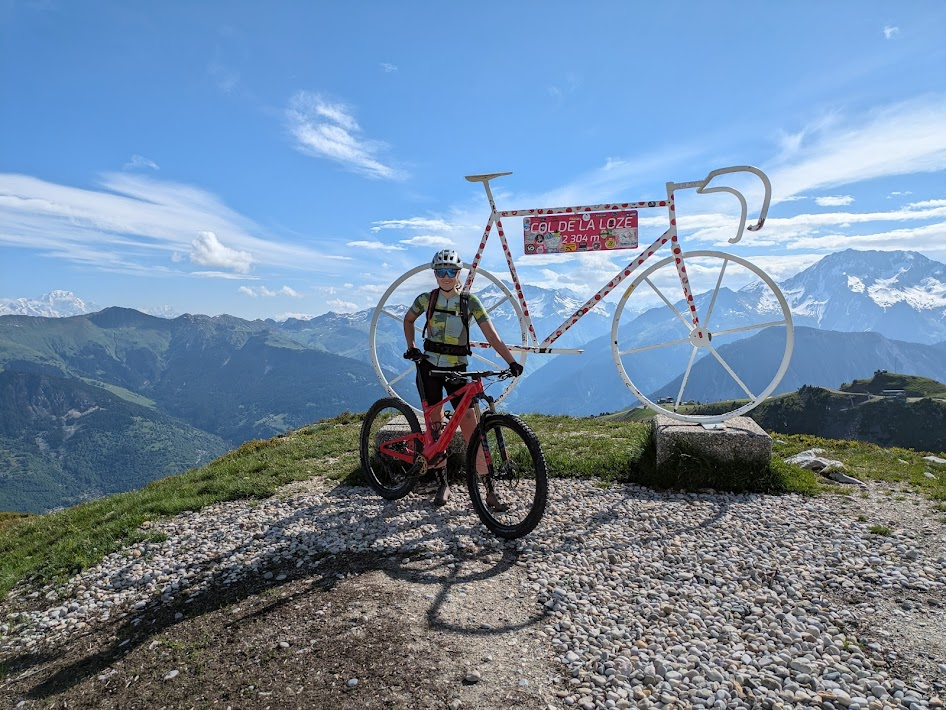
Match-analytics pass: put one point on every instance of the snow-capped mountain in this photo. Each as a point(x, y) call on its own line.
point(55, 304)
point(346, 333)
point(63, 304)
point(167, 312)
point(900, 294)
point(548, 308)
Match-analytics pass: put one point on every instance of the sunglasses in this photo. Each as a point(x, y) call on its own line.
point(443, 273)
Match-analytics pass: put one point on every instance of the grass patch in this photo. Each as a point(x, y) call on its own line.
point(8, 520)
point(622, 451)
point(870, 462)
point(880, 530)
point(54, 546)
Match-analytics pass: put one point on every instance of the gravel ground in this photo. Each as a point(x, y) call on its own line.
point(622, 597)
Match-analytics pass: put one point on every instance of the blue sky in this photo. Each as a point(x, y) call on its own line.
point(293, 158)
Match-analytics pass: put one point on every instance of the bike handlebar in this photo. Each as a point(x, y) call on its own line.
point(499, 374)
point(702, 189)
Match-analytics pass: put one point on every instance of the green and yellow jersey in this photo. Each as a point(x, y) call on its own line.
point(446, 325)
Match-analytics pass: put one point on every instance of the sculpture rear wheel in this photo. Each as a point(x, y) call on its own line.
point(386, 335)
point(734, 300)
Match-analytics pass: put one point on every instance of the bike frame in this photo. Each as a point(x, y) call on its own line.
point(670, 235)
point(469, 393)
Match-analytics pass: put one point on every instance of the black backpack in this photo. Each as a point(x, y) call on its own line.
point(444, 348)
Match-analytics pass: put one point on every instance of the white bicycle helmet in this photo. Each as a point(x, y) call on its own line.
point(446, 259)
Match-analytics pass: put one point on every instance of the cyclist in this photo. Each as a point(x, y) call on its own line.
point(446, 347)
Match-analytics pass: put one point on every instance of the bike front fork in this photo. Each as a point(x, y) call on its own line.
point(488, 454)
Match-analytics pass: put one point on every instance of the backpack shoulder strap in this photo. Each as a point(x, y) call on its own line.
point(465, 313)
point(431, 305)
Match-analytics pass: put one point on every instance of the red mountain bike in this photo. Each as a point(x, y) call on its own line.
point(505, 467)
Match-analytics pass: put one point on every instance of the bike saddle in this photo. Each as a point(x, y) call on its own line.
point(485, 178)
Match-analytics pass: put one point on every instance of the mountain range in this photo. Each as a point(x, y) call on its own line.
point(205, 383)
point(202, 383)
point(63, 440)
point(899, 298)
point(62, 304)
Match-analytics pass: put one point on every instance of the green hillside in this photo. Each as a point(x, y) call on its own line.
point(63, 441)
point(153, 394)
point(230, 377)
point(856, 411)
point(917, 421)
point(911, 385)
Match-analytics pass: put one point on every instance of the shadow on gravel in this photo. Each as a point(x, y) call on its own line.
point(326, 561)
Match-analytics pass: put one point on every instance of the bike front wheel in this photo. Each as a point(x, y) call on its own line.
point(510, 498)
point(391, 440)
point(678, 368)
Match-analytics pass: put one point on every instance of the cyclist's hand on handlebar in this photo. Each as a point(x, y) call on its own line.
point(415, 354)
point(515, 368)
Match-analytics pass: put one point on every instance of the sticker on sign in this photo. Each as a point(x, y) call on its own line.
point(589, 231)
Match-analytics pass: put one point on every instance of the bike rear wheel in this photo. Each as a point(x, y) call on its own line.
point(390, 419)
point(517, 477)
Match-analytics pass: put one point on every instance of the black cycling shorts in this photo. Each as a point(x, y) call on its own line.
point(431, 387)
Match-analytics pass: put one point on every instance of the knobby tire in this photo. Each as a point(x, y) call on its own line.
point(520, 481)
point(386, 475)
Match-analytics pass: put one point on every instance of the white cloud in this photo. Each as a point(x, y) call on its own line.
point(834, 200)
point(208, 251)
point(226, 79)
point(341, 306)
point(281, 317)
point(782, 266)
point(139, 161)
point(568, 85)
point(388, 68)
point(375, 246)
point(926, 204)
point(428, 240)
point(133, 223)
point(929, 238)
point(897, 193)
point(262, 291)
point(905, 138)
point(890, 31)
point(328, 130)
point(425, 223)
point(221, 275)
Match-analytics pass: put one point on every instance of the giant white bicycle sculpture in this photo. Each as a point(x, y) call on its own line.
point(611, 226)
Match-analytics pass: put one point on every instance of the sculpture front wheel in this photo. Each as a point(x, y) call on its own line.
point(386, 334)
point(671, 364)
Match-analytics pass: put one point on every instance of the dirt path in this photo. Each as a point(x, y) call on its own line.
point(367, 631)
point(355, 632)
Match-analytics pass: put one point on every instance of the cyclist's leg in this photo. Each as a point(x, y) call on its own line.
point(431, 390)
point(468, 426)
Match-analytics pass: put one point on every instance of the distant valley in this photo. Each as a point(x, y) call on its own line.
point(205, 383)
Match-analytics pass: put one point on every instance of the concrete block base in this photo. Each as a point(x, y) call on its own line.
point(738, 440)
